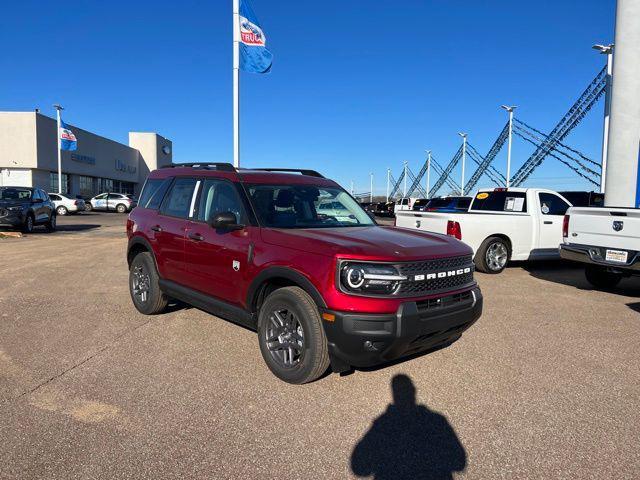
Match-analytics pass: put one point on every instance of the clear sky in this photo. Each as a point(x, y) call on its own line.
point(356, 86)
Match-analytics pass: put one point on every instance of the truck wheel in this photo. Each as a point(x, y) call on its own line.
point(492, 256)
point(599, 277)
point(144, 286)
point(291, 336)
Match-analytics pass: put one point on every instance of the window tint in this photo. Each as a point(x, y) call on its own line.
point(53, 196)
point(218, 196)
point(500, 201)
point(101, 196)
point(552, 204)
point(178, 199)
point(153, 192)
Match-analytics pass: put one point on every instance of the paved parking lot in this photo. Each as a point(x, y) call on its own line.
point(545, 385)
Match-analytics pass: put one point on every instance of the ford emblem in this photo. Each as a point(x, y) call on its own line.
point(618, 225)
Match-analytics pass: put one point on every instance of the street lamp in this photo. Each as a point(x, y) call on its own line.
point(509, 109)
point(371, 187)
point(464, 159)
point(404, 193)
point(388, 182)
point(608, 51)
point(428, 171)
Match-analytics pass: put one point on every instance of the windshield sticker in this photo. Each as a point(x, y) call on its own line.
point(508, 204)
point(518, 206)
point(482, 196)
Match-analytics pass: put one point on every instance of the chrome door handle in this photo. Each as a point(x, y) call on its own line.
point(196, 237)
point(156, 228)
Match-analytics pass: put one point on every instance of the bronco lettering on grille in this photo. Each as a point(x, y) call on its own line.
point(449, 273)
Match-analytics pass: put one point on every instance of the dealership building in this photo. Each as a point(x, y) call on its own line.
point(29, 157)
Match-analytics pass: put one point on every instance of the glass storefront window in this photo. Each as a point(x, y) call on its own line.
point(53, 182)
point(86, 187)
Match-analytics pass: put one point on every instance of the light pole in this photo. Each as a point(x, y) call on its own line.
point(352, 188)
point(58, 109)
point(428, 171)
point(464, 159)
point(608, 51)
point(510, 109)
point(404, 193)
point(371, 187)
point(388, 182)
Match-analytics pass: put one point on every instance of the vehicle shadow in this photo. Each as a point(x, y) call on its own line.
point(572, 274)
point(634, 306)
point(408, 441)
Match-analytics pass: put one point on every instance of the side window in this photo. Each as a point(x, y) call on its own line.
point(101, 197)
point(54, 197)
point(552, 205)
point(178, 201)
point(219, 196)
point(153, 193)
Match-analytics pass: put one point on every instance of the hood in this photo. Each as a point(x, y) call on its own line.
point(12, 203)
point(379, 243)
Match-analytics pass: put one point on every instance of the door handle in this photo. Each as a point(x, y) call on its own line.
point(156, 228)
point(196, 237)
point(548, 222)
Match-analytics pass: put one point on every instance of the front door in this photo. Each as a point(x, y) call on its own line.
point(217, 260)
point(551, 213)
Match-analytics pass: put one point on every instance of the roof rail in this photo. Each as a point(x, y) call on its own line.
point(224, 167)
point(303, 171)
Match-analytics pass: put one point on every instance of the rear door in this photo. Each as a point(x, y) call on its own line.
point(551, 210)
point(217, 260)
point(167, 229)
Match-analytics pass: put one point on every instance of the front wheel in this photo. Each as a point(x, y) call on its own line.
point(144, 285)
point(88, 207)
point(492, 256)
point(29, 222)
point(120, 208)
point(291, 336)
point(51, 225)
point(599, 277)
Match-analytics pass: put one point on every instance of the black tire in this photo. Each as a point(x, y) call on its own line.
point(313, 359)
point(88, 207)
point(62, 210)
point(52, 224)
point(121, 208)
point(493, 255)
point(600, 278)
point(144, 276)
point(29, 223)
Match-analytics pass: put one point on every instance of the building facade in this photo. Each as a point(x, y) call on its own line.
point(29, 157)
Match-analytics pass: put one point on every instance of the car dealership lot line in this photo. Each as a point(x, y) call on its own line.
point(546, 384)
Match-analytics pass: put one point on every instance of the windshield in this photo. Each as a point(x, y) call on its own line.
point(15, 194)
point(306, 206)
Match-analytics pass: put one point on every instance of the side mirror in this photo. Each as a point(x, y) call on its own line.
point(225, 221)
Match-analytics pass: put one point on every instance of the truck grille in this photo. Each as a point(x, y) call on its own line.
point(452, 276)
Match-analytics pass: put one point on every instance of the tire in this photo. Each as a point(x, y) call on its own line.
point(493, 255)
point(291, 314)
point(143, 278)
point(62, 210)
point(29, 222)
point(52, 224)
point(600, 278)
point(121, 208)
point(88, 207)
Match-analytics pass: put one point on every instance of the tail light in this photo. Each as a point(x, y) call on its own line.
point(565, 226)
point(454, 230)
point(75, 203)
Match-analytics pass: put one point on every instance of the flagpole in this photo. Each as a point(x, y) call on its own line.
point(58, 108)
point(236, 83)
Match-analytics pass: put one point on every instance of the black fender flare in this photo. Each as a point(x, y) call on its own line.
point(140, 240)
point(288, 274)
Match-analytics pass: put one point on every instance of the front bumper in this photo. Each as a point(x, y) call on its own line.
point(12, 219)
point(364, 340)
point(596, 256)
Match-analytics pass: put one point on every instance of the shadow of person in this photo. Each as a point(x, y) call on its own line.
point(408, 441)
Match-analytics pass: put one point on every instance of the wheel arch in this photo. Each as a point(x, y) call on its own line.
point(138, 245)
point(273, 278)
point(505, 238)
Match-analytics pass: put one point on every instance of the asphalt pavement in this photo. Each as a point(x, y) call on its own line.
point(545, 385)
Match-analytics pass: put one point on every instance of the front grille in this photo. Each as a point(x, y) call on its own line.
point(413, 287)
point(443, 302)
point(4, 212)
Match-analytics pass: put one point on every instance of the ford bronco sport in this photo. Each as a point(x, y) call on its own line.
point(253, 246)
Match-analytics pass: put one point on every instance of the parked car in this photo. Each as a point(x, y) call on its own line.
point(420, 205)
point(606, 240)
point(584, 199)
point(66, 204)
point(24, 207)
point(381, 209)
point(115, 202)
point(501, 225)
point(250, 246)
point(403, 204)
point(448, 204)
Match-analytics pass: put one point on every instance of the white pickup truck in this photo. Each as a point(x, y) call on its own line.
point(501, 225)
point(607, 240)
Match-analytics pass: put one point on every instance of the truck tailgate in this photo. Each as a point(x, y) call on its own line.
point(605, 227)
point(428, 222)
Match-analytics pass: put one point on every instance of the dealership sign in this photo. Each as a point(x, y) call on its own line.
point(83, 159)
point(123, 167)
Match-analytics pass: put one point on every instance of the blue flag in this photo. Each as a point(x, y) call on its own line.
point(254, 56)
point(67, 138)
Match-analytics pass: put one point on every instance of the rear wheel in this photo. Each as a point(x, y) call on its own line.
point(144, 285)
point(493, 255)
point(601, 278)
point(62, 210)
point(291, 336)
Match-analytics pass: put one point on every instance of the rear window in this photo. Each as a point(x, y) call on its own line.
point(500, 201)
point(421, 202)
point(440, 202)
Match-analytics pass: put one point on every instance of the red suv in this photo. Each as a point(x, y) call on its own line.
point(295, 257)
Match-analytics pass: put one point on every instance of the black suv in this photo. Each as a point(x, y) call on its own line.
point(25, 208)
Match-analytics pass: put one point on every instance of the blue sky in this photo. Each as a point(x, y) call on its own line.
point(356, 86)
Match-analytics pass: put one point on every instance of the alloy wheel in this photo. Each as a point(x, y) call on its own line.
point(497, 256)
point(284, 337)
point(140, 283)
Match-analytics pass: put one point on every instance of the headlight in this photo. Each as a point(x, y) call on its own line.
point(15, 209)
point(369, 278)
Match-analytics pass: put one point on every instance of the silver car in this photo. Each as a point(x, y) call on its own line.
point(113, 202)
point(66, 204)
